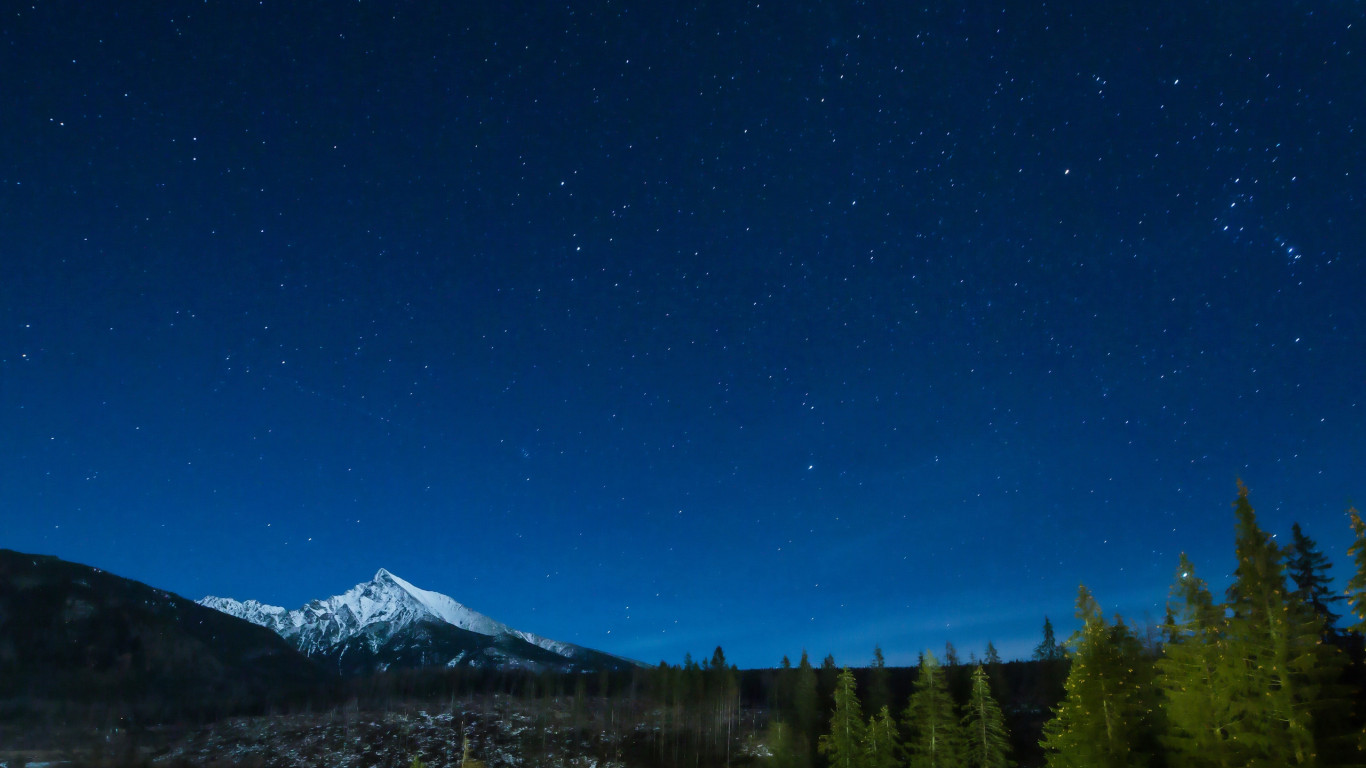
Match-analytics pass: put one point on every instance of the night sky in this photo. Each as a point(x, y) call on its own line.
point(654, 327)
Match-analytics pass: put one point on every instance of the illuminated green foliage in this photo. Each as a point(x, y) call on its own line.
point(1356, 587)
point(986, 743)
point(935, 736)
point(1283, 670)
point(1196, 673)
point(1105, 718)
point(843, 746)
point(880, 741)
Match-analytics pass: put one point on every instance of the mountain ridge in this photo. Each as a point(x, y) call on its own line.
point(389, 622)
point(87, 641)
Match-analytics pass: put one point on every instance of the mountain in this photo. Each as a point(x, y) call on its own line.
point(79, 640)
point(387, 622)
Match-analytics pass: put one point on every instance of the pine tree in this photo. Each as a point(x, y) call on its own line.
point(783, 691)
point(1052, 667)
point(986, 741)
point(1308, 569)
point(844, 745)
point(930, 720)
point(722, 692)
point(1103, 720)
point(950, 655)
point(827, 674)
point(1196, 677)
point(992, 656)
point(1356, 586)
point(996, 672)
point(1284, 669)
point(879, 692)
point(1048, 649)
point(786, 748)
point(880, 741)
point(1169, 622)
point(806, 701)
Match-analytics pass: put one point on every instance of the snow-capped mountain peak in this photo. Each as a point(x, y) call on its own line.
point(388, 613)
point(446, 609)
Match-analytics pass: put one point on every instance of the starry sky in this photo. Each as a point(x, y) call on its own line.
point(656, 326)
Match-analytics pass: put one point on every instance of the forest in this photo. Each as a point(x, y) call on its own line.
point(1272, 674)
point(1264, 677)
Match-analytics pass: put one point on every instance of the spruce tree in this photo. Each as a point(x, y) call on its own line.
point(1308, 569)
point(1052, 667)
point(986, 741)
point(950, 655)
point(934, 735)
point(879, 692)
point(722, 690)
point(827, 674)
point(1196, 677)
point(1356, 586)
point(1284, 669)
point(843, 746)
point(996, 671)
point(880, 741)
point(1048, 649)
point(786, 748)
point(1356, 589)
point(783, 693)
point(992, 656)
point(806, 702)
point(1104, 718)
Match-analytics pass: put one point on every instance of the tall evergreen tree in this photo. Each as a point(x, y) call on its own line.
point(1104, 718)
point(783, 691)
point(986, 740)
point(1356, 586)
point(934, 734)
point(1052, 667)
point(992, 656)
point(723, 696)
point(806, 701)
point(828, 674)
point(879, 690)
point(1196, 677)
point(996, 672)
point(1308, 569)
point(1284, 668)
point(843, 746)
point(1356, 589)
point(1048, 648)
point(880, 741)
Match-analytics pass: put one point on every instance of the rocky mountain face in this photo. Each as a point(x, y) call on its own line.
point(387, 622)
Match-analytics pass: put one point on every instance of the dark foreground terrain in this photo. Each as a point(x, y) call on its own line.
point(500, 732)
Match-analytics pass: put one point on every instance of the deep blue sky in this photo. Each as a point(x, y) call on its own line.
point(652, 327)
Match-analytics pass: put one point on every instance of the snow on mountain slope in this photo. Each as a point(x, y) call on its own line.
point(269, 616)
point(373, 614)
point(447, 609)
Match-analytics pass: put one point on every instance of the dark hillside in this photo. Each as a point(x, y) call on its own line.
point(79, 645)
